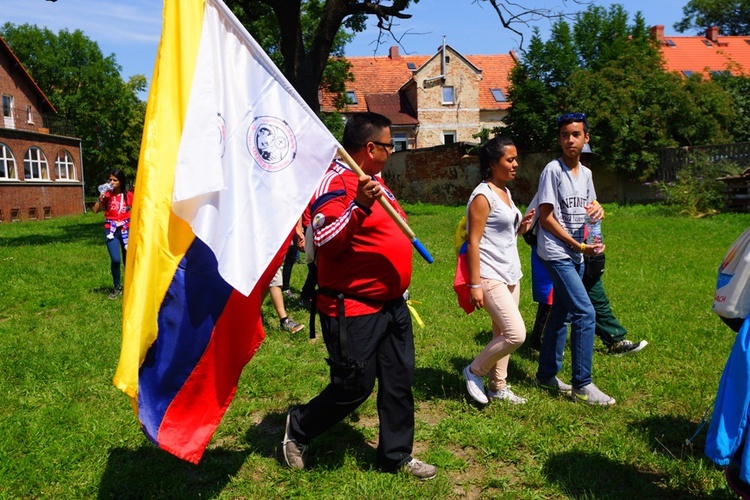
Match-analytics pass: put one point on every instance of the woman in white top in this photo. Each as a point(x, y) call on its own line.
point(493, 222)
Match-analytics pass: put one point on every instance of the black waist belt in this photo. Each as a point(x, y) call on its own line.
point(340, 311)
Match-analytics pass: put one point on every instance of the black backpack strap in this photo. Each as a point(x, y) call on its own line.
point(340, 315)
point(313, 310)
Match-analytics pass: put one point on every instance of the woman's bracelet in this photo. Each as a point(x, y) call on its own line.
point(583, 247)
point(469, 285)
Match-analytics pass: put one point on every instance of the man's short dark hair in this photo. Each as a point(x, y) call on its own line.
point(567, 118)
point(362, 128)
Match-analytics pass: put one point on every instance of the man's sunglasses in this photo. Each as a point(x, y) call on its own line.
point(387, 145)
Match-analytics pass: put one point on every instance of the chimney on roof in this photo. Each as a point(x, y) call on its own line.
point(658, 33)
point(393, 52)
point(712, 34)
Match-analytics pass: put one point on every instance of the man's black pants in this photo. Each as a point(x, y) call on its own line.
point(380, 346)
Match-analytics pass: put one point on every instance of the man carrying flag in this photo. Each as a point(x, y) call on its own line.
point(364, 268)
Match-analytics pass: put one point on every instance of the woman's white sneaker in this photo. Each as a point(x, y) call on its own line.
point(475, 386)
point(506, 394)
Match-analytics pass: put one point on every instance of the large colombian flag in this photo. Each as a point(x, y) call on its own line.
point(229, 158)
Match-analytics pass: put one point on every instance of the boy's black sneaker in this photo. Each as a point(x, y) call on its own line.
point(627, 347)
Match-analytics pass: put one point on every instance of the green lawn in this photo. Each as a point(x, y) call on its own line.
point(68, 433)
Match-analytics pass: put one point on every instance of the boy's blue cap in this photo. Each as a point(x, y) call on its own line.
point(587, 150)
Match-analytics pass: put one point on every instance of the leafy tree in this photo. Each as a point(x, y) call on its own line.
point(616, 75)
point(87, 90)
point(731, 16)
point(739, 88)
point(301, 35)
point(534, 85)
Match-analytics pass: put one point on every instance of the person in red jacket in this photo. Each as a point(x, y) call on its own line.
point(116, 201)
point(364, 268)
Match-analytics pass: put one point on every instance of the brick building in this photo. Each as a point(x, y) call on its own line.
point(431, 100)
point(41, 173)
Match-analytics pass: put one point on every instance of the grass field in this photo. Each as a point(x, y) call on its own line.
point(68, 433)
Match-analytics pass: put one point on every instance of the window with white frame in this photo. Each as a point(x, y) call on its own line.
point(448, 95)
point(65, 169)
point(351, 97)
point(449, 137)
point(29, 115)
point(399, 141)
point(35, 165)
point(7, 163)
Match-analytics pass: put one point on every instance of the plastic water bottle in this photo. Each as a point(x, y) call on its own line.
point(104, 188)
point(594, 231)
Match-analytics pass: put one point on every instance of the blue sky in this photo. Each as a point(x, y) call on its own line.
point(131, 28)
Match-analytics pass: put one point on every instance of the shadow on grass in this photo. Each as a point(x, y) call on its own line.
point(327, 451)
point(669, 436)
point(432, 383)
point(89, 232)
point(592, 475)
point(148, 472)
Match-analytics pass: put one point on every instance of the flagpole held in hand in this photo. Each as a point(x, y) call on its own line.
point(391, 211)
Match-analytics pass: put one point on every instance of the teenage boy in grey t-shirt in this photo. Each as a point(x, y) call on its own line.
point(566, 196)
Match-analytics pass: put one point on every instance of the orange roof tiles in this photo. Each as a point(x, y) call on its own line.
point(386, 75)
point(496, 70)
point(699, 54)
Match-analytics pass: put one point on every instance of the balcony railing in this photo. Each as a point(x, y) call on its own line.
point(19, 119)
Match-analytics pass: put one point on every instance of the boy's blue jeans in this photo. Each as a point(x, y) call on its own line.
point(571, 302)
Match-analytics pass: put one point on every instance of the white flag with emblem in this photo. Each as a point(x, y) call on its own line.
point(251, 152)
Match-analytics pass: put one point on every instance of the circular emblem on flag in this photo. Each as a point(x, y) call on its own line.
point(271, 142)
point(222, 133)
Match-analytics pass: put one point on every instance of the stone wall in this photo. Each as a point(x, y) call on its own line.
point(446, 175)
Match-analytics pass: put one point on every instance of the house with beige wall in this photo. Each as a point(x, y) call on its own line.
point(432, 100)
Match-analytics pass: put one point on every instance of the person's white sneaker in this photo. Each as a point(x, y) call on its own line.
point(506, 394)
point(475, 386)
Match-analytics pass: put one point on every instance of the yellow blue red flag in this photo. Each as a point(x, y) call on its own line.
point(229, 158)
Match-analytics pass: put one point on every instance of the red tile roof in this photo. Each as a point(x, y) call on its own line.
point(394, 106)
point(386, 75)
point(701, 54)
point(495, 74)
